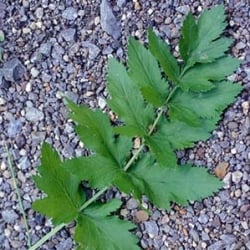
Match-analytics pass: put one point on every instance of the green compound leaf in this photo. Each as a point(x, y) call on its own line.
point(201, 77)
point(95, 130)
point(145, 72)
point(62, 189)
point(165, 185)
point(127, 101)
point(161, 51)
point(97, 230)
point(206, 45)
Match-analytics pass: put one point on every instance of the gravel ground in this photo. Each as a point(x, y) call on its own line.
point(63, 46)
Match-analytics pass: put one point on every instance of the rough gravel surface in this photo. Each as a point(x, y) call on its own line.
point(54, 47)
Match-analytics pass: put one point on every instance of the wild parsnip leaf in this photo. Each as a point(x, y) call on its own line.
point(207, 45)
point(145, 72)
point(127, 101)
point(209, 104)
point(201, 77)
point(190, 106)
point(64, 197)
point(165, 185)
point(95, 130)
point(161, 51)
point(97, 230)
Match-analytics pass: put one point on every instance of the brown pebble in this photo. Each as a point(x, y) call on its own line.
point(141, 216)
point(221, 169)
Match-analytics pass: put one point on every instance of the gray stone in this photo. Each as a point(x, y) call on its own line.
point(14, 128)
point(9, 216)
point(218, 245)
point(57, 52)
point(246, 127)
point(24, 163)
point(13, 70)
point(69, 34)
point(2, 9)
point(240, 45)
point(93, 49)
point(194, 235)
point(39, 13)
point(228, 238)
point(132, 203)
point(204, 236)
point(151, 228)
point(66, 244)
point(70, 14)
point(203, 218)
point(121, 3)
point(45, 49)
point(183, 9)
point(109, 22)
point(45, 77)
point(33, 114)
point(232, 125)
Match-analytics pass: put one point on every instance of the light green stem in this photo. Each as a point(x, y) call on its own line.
point(18, 195)
point(99, 193)
point(47, 237)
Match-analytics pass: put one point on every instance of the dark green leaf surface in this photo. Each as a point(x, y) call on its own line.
point(161, 51)
point(62, 189)
point(206, 44)
point(209, 104)
point(98, 170)
point(95, 130)
point(127, 101)
point(189, 134)
point(145, 72)
point(165, 185)
point(201, 77)
point(189, 37)
point(97, 230)
point(184, 114)
point(162, 150)
point(211, 24)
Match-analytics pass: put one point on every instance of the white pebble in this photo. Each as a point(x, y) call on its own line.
point(236, 176)
point(3, 166)
point(237, 193)
point(245, 188)
point(34, 72)
point(7, 232)
point(23, 152)
point(233, 151)
point(101, 102)
point(2, 101)
point(28, 87)
point(244, 225)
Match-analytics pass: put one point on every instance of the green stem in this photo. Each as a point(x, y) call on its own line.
point(18, 195)
point(133, 158)
point(93, 198)
point(99, 193)
point(47, 236)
